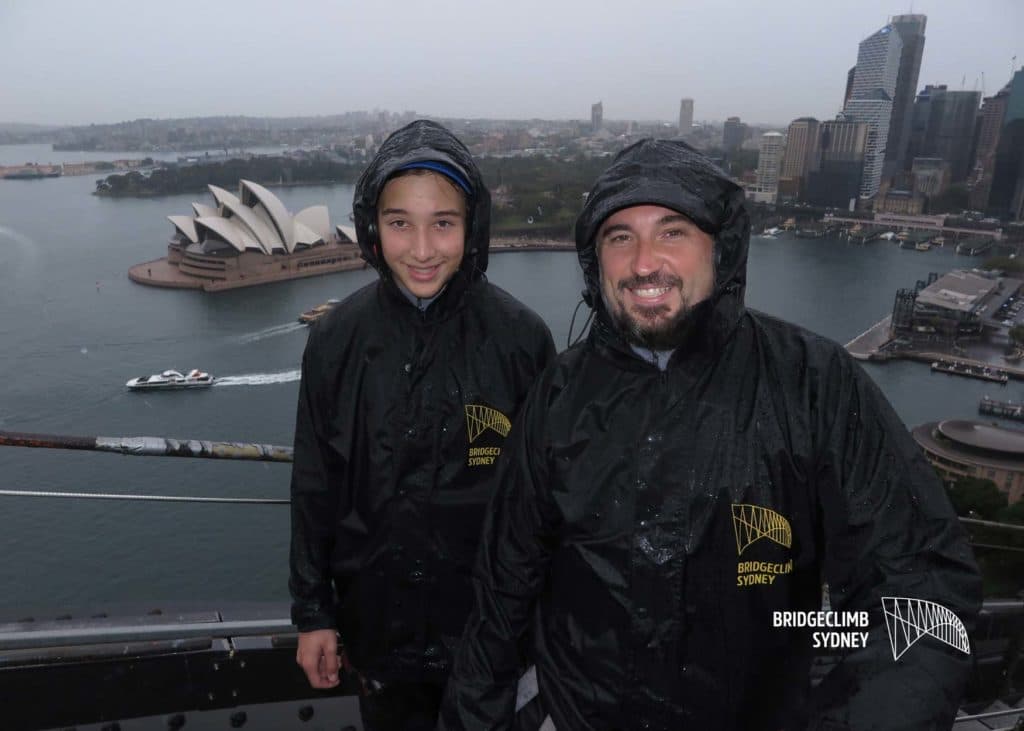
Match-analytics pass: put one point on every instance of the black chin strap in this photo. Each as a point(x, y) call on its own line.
point(587, 300)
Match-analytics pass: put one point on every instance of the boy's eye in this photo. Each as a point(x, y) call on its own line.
point(397, 223)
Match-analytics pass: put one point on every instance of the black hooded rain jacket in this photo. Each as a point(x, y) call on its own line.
point(401, 416)
point(650, 525)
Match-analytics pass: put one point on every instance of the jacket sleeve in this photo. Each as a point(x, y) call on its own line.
point(535, 349)
point(545, 347)
point(895, 549)
point(314, 489)
point(511, 566)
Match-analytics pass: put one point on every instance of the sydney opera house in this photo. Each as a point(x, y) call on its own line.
point(246, 240)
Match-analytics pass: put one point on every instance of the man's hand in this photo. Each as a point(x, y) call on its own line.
point(318, 657)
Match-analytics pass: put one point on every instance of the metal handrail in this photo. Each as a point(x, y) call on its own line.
point(42, 638)
point(990, 714)
point(151, 446)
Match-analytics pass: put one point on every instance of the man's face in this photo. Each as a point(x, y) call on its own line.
point(655, 266)
point(422, 224)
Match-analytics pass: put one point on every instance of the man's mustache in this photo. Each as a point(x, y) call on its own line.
point(657, 279)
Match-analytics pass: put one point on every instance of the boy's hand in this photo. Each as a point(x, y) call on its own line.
point(318, 657)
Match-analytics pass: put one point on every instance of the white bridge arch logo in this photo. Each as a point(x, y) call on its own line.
point(908, 620)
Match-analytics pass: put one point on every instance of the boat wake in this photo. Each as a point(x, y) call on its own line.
point(270, 332)
point(23, 244)
point(19, 238)
point(258, 379)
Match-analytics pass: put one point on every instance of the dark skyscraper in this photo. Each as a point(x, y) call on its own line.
point(993, 110)
point(943, 126)
point(734, 132)
point(835, 179)
point(1007, 195)
point(911, 30)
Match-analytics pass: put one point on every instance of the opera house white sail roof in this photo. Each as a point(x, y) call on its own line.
point(254, 220)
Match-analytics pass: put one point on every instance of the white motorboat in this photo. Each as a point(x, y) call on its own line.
point(171, 379)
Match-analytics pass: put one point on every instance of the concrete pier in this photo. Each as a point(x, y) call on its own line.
point(872, 345)
point(867, 345)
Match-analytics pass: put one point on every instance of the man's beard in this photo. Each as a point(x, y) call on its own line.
point(647, 327)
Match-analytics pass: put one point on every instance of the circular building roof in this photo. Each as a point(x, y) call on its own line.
point(984, 436)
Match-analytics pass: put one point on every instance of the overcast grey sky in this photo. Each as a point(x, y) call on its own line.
point(73, 62)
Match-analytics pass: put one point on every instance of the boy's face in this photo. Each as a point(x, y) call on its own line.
point(422, 222)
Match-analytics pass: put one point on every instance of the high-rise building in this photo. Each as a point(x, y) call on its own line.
point(870, 102)
point(596, 116)
point(734, 132)
point(931, 175)
point(801, 148)
point(943, 126)
point(840, 165)
point(1006, 198)
point(769, 160)
point(849, 84)
point(685, 116)
point(911, 31)
point(993, 110)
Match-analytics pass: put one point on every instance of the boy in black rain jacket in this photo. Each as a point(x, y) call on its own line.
point(408, 390)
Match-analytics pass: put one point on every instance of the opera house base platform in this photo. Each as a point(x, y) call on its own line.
point(251, 239)
point(182, 269)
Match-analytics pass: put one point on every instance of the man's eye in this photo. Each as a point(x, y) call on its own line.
point(397, 223)
point(445, 224)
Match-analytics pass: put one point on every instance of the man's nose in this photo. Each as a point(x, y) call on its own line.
point(645, 257)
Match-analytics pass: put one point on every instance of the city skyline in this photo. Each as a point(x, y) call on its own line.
point(112, 61)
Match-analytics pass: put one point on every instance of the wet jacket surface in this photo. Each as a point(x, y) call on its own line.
point(401, 416)
point(649, 523)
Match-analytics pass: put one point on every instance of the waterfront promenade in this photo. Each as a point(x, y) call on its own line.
point(914, 223)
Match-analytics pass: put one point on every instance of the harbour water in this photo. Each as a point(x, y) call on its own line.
point(74, 329)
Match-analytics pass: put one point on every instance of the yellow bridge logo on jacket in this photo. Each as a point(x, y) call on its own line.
point(751, 523)
point(480, 420)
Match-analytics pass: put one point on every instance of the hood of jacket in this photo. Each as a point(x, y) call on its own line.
point(672, 174)
point(421, 141)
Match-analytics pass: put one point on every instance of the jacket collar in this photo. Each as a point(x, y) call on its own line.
point(449, 301)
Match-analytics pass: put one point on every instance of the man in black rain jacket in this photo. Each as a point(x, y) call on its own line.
point(408, 389)
point(679, 486)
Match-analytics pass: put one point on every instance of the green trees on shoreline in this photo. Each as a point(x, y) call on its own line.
point(226, 174)
point(535, 197)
